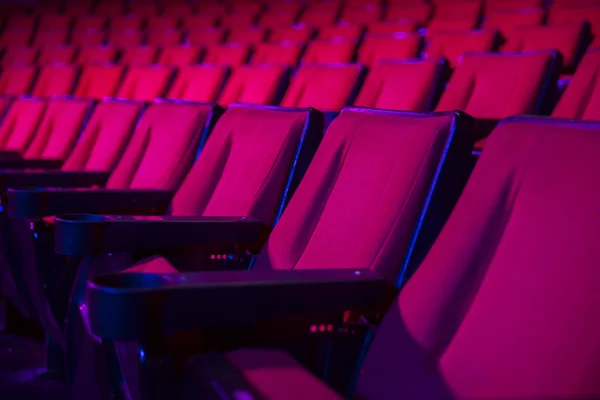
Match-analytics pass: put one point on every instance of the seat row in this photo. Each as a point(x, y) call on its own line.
point(351, 215)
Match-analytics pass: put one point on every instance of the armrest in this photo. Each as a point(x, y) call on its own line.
point(48, 202)
point(19, 179)
point(142, 306)
point(10, 155)
point(92, 235)
point(22, 163)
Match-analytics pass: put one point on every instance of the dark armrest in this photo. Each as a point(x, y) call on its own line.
point(131, 306)
point(22, 163)
point(18, 179)
point(43, 203)
point(10, 155)
point(93, 235)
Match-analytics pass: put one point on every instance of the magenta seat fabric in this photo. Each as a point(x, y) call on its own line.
point(17, 79)
point(179, 55)
point(329, 51)
point(420, 12)
point(453, 44)
point(201, 83)
point(19, 55)
point(145, 83)
point(393, 47)
point(253, 84)
point(96, 54)
point(326, 87)
point(55, 80)
point(139, 55)
point(286, 53)
point(569, 12)
point(206, 36)
point(252, 35)
point(57, 54)
point(341, 31)
point(98, 81)
point(20, 123)
point(297, 33)
point(231, 54)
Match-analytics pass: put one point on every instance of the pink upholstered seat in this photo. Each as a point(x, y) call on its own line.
point(393, 47)
point(17, 79)
point(145, 83)
point(139, 55)
point(297, 33)
point(452, 45)
point(341, 31)
point(232, 54)
point(201, 83)
point(253, 35)
point(322, 86)
point(55, 80)
point(286, 53)
point(19, 54)
point(329, 51)
point(164, 37)
point(254, 84)
point(456, 15)
point(98, 81)
point(206, 36)
point(96, 54)
point(57, 54)
point(505, 21)
point(179, 55)
point(20, 123)
point(572, 12)
point(401, 85)
point(420, 12)
point(362, 16)
point(390, 28)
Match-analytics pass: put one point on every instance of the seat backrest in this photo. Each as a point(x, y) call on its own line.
point(96, 54)
point(500, 85)
point(329, 51)
point(125, 38)
point(341, 31)
point(163, 22)
point(512, 5)
point(20, 22)
point(17, 79)
point(231, 54)
point(464, 14)
point(164, 37)
point(326, 87)
point(581, 99)
point(253, 35)
point(296, 33)
point(394, 47)
point(129, 21)
point(55, 80)
point(59, 128)
point(89, 22)
point(362, 15)
point(206, 36)
point(19, 55)
point(139, 55)
point(402, 85)
point(569, 40)
point(367, 157)
point(88, 37)
point(201, 83)
point(391, 27)
point(110, 8)
point(193, 21)
point(319, 18)
point(420, 12)
point(20, 123)
point(16, 37)
point(238, 19)
point(261, 141)
point(98, 81)
point(50, 37)
point(55, 21)
point(163, 146)
point(286, 53)
point(105, 136)
point(179, 55)
point(146, 83)
point(505, 21)
point(254, 84)
point(492, 298)
point(278, 18)
point(57, 54)
point(568, 13)
point(452, 45)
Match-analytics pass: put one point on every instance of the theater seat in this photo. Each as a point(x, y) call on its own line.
point(88, 37)
point(231, 54)
point(255, 84)
point(200, 83)
point(89, 22)
point(329, 51)
point(145, 83)
point(252, 35)
point(569, 12)
point(236, 19)
point(459, 15)
point(206, 36)
point(17, 79)
point(402, 85)
point(581, 98)
point(163, 22)
point(318, 18)
point(569, 40)
point(286, 53)
point(393, 47)
point(362, 16)
point(195, 21)
point(296, 33)
point(57, 54)
point(179, 55)
point(341, 31)
point(420, 12)
point(96, 54)
point(14, 37)
point(452, 45)
point(139, 55)
point(497, 86)
point(390, 28)
point(55, 80)
point(19, 55)
point(124, 22)
point(98, 81)
point(512, 5)
point(452, 323)
point(51, 37)
point(55, 21)
point(164, 37)
point(125, 38)
point(278, 18)
point(327, 87)
point(506, 21)
point(20, 123)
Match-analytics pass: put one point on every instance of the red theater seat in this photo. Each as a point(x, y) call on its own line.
point(512, 5)
point(506, 21)
point(163, 22)
point(452, 321)
point(110, 8)
point(144, 8)
point(569, 40)
point(391, 27)
point(253, 35)
point(199, 21)
point(452, 45)
point(231, 54)
point(318, 18)
point(96, 54)
point(238, 19)
point(177, 9)
point(125, 38)
point(286, 53)
point(559, 14)
point(201, 83)
point(19, 54)
point(581, 99)
point(139, 55)
point(393, 47)
point(341, 31)
point(55, 80)
point(89, 22)
point(17, 79)
point(402, 85)
point(124, 22)
point(20, 123)
point(164, 37)
point(57, 54)
point(324, 87)
point(297, 33)
point(417, 12)
point(206, 36)
point(362, 16)
point(88, 37)
point(461, 15)
point(278, 18)
point(145, 83)
point(329, 51)
point(15, 37)
point(20, 22)
point(254, 84)
point(179, 55)
point(55, 21)
point(98, 81)
point(51, 37)
point(518, 83)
